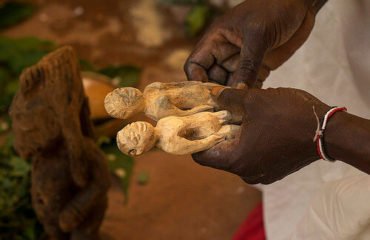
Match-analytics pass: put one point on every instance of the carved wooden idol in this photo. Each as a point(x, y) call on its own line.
point(160, 100)
point(177, 135)
point(51, 124)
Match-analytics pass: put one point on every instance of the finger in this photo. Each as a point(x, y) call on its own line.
point(241, 86)
point(241, 103)
point(198, 63)
point(258, 83)
point(220, 156)
point(218, 74)
point(231, 64)
point(231, 99)
point(195, 72)
point(223, 50)
point(212, 49)
point(263, 73)
point(251, 57)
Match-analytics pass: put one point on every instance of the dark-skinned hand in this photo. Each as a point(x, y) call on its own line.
point(277, 134)
point(250, 40)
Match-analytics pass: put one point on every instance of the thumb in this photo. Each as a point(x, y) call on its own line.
point(231, 99)
point(251, 57)
point(220, 156)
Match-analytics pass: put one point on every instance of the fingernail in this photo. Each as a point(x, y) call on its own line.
point(216, 91)
point(241, 86)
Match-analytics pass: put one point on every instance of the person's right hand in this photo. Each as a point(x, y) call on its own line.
point(249, 41)
point(276, 136)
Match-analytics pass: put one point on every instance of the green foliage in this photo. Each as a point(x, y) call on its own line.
point(196, 19)
point(13, 12)
point(143, 178)
point(123, 76)
point(15, 55)
point(87, 66)
point(119, 164)
point(17, 219)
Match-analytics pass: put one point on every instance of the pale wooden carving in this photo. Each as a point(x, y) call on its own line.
point(161, 100)
point(178, 135)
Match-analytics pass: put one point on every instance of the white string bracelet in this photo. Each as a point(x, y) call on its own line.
point(319, 135)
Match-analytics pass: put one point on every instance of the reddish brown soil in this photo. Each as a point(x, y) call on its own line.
point(181, 200)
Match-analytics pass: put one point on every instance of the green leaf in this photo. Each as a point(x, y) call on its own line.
point(17, 219)
point(20, 53)
point(86, 65)
point(15, 55)
point(7, 147)
point(120, 165)
point(20, 166)
point(4, 126)
point(143, 178)
point(102, 140)
point(126, 76)
point(30, 232)
point(13, 12)
point(196, 19)
point(5, 93)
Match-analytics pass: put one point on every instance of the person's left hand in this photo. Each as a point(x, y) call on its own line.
point(250, 40)
point(277, 134)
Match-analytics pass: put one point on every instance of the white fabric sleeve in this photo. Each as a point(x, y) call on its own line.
point(341, 211)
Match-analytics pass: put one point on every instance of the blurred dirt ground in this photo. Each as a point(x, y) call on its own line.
point(181, 199)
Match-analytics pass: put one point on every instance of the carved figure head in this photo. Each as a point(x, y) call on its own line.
point(40, 132)
point(136, 138)
point(124, 103)
point(49, 91)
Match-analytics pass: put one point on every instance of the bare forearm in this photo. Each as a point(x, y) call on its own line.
point(347, 139)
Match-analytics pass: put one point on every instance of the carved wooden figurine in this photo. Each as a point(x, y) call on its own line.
point(177, 135)
point(163, 99)
point(70, 178)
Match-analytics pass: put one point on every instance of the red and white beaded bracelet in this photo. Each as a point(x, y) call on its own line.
point(319, 136)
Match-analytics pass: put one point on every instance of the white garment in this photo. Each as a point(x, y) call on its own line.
point(333, 65)
point(340, 211)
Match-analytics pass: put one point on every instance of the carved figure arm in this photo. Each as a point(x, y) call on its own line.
point(78, 164)
point(60, 69)
point(163, 107)
point(78, 208)
point(182, 146)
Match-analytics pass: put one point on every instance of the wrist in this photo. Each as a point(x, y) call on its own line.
point(347, 138)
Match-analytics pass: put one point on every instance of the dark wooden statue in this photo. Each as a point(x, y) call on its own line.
point(70, 177)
